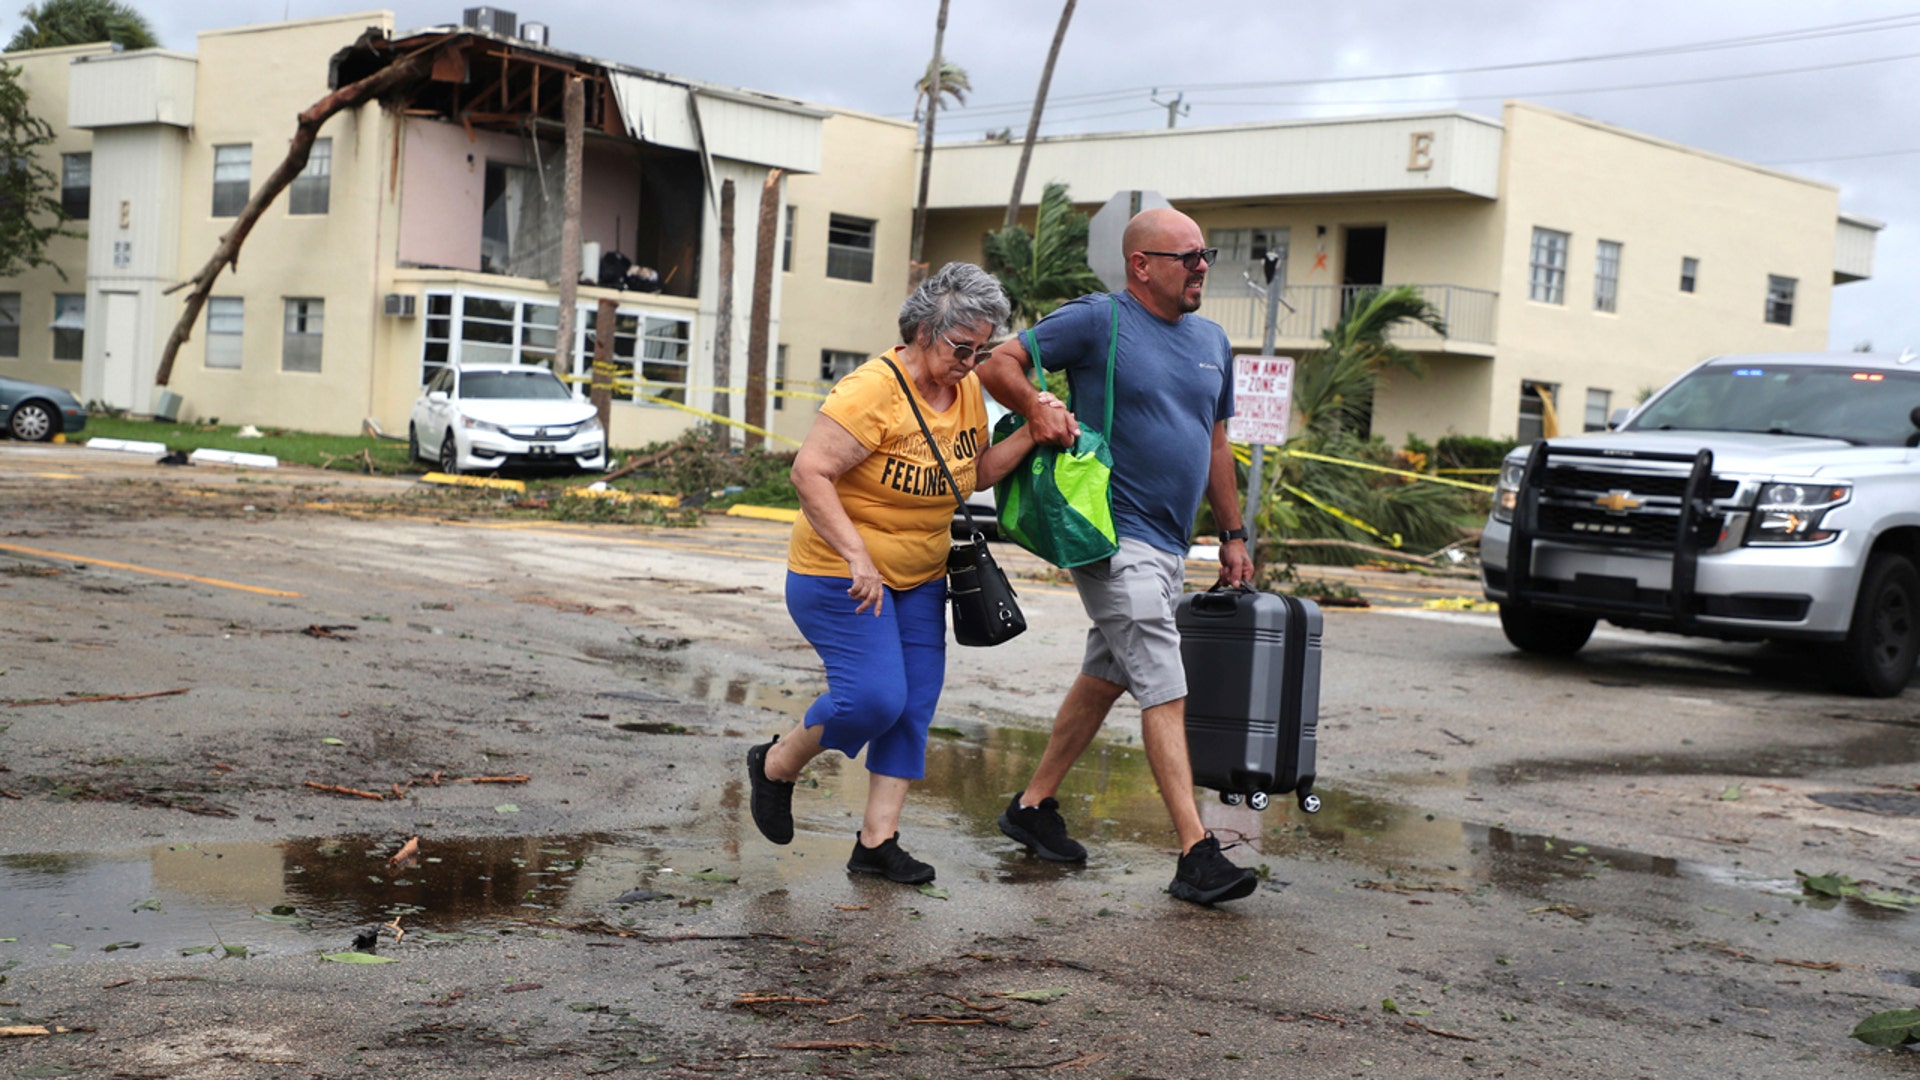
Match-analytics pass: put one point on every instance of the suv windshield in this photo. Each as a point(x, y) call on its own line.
point(1862, 406)
point(533, 384)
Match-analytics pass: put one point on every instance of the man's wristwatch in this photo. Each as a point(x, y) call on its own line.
point(1232, 534)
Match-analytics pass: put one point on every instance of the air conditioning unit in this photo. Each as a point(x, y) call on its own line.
point(491, 20)
point(534, 32)
point(398, 305)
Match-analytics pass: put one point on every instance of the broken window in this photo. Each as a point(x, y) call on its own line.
point(300, 345)
point(849, 248)
point(520, 222)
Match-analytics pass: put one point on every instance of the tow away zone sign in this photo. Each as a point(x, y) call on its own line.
point(1262, 399)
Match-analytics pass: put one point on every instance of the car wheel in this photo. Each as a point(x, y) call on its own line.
point(34, 421)
point(449, 456)
point(413, 444)
point(1547, 633)
point(1883, 642)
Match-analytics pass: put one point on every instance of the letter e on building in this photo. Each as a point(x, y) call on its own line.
point(1420, 151)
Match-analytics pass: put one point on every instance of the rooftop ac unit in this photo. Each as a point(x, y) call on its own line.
point(490, 19)
point(533, 32)
point(399, 305)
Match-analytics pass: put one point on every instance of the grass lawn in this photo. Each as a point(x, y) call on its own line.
point(292, 447)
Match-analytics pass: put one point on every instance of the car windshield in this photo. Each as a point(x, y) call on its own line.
point(533, 384)
point(1862, 406)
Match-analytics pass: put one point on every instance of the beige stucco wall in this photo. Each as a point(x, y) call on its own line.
point(1662, 202)
point(43, 74)
point(867, 171)
point(253, 83)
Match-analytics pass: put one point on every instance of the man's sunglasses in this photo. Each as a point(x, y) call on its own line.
point(965, 350)
point(1189, 259)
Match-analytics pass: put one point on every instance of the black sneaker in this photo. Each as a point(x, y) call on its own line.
point(889, 861)
point(1042, 830)
point(1205, 876)
point(772, 801)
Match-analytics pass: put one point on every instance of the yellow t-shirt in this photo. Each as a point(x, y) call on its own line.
point(897, 497)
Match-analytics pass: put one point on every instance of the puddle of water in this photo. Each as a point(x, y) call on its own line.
point(1888, 745)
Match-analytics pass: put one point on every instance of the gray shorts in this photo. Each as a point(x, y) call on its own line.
point(1133, 643)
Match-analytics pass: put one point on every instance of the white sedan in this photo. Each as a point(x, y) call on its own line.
point(487, 417)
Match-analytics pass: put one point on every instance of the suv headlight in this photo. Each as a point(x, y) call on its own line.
point(1506, 493)
point(1792, 513)
point(468, 421)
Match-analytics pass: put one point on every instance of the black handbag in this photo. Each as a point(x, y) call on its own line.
point(984, 609)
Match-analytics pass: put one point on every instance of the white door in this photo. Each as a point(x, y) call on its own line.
point(120, 366)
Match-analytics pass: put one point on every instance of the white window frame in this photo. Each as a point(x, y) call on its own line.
point(303, 330)
point(310, 191)
point(70, 327)
point(226, 330)
point(1780, 296)
point(1548, 263)
point(663, 338)
point(232, 178)
point(853, 261)
point(1244, 250)
point(1606, 275)
point(1599, 408)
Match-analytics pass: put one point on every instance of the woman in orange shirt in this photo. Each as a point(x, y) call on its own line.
point(866, 565)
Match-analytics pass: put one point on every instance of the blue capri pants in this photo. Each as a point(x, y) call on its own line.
point(884, 673)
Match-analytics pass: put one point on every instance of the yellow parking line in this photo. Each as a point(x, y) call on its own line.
point(147, 570)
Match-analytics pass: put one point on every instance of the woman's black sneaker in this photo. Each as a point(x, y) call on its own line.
point(1205, 876)
point(1042, 830)
point(889, 861)
point(772, 800)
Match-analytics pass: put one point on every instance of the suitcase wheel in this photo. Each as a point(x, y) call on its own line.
point(1257, 800)
point(1310, 803)
point(1231, 798)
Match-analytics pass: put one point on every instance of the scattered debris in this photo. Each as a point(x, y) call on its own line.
point(16, 1031)
point(336, 789)
point(1400, 887)
point(1896, 1027)
point(96, 697)
point(406, 856)
point(745, 1000)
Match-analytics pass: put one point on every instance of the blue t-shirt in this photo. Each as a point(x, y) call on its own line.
point(1172, 382)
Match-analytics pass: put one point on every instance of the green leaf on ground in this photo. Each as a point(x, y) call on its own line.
point(711, 875)
point(234, 952)
point(1389, 1005)
point(197, 950)
point(331, 741)
point(936, 892)
point(1834, 884)
point(506, 808)
point(1039, 996)
point(1894, 1028)
point(357, 958)
point(1732, 792)
point(118, 945)
point(151, 903)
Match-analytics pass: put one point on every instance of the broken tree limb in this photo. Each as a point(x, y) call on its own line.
point(96, 697)
point(336, 789)
point(413, 65)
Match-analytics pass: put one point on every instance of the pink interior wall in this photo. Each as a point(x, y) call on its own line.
point(444, 180)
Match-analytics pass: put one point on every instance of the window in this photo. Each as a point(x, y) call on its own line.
point(76, 184)
point(1245, 250)
point(1780, 299)
point(232, 177)
point(786, 243)
point(780, 378)
point(1549, 267)
point(437, 354)
point(1599, 405)
point(663, 345)
point(1689, 273)
point(1536, 412)
point(226, 317)
point(849, 248)
point(300, 347)
point(9, 324)
point(835, 363)
point(69, 326)
point(1606, 276)
point(308, 192)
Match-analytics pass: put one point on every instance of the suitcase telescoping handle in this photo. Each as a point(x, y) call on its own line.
point(1221, 600)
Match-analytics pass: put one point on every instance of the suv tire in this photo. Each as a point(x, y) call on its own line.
point(1877, 658)
point(1548, 633)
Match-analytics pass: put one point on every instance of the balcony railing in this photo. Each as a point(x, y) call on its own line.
point(1469, 313)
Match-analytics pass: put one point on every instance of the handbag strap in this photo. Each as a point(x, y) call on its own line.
point(1113, 349)
point(952, 487)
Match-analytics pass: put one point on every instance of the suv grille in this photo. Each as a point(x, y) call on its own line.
point(1644, 510)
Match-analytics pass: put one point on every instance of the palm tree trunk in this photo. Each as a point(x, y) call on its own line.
point(1033, 123)
point(914, 268)
point(723, 314)
point(760, 318)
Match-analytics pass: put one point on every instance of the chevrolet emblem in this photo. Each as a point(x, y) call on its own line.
point(1617, 502)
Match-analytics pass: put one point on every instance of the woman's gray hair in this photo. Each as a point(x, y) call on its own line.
point(958, 294)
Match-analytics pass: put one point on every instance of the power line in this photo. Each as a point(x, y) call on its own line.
point(1877, 25)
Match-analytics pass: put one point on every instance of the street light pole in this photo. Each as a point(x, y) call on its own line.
point(1270, 267)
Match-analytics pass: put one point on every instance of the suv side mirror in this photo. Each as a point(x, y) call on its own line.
point(437, 396)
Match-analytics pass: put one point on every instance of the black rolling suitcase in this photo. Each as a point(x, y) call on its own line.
point(1253, 693)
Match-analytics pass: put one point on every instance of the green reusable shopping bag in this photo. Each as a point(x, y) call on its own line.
point(1057, 502)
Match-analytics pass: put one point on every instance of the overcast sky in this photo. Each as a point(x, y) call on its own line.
point(1851, 123)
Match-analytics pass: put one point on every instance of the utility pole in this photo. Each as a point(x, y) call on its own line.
point(1174, 108)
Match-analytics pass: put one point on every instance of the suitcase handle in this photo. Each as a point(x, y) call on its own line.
point(1221, 600)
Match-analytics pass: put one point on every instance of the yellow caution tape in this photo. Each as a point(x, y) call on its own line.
point(671, 502)
point(473, 481)
point(1461, 603)
point(1393, 541)
point(764, 513)
point(629, 385)
point(1481, 471)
